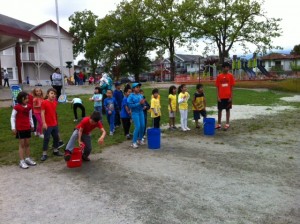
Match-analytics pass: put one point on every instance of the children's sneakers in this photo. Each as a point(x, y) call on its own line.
point(44, 157)
point(30, 162)
point(218, 126)
point(23, 164)
point(141, 142)
point(134, 145)
point(128, 137)
point(111, 133)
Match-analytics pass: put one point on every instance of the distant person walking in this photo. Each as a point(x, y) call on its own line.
point(57, 81)
point(6, 78)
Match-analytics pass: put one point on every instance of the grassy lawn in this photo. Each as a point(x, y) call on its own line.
point(9, 145)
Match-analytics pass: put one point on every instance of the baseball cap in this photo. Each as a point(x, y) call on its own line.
point(135, 84)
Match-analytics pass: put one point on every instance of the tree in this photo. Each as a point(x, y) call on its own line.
point(83, 28)
point(166, 24)
point(122, 37)
point(296, 50)
point(227, 23)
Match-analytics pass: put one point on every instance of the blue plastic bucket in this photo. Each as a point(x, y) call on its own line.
point(153, 136)
point(209, 126)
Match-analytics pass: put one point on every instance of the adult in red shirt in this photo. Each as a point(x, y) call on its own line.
point(49, 118)
point(224, 83)
point(82, 133)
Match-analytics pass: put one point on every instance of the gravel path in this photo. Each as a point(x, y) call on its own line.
point(249, 174)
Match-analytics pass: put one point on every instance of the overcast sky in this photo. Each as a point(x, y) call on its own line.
point(38, 11)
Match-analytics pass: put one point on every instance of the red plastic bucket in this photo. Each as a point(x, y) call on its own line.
point(76, 158)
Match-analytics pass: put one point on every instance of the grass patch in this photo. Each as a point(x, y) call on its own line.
point(9, 145)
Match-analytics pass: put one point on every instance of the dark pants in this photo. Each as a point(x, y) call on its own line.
point(34, 122)
point(156, 121)
point(81, 107)
point(53, 130)
point(58, 90)
point(6, 81)
point(103, 108)
point(117, 118)
point(126, 125)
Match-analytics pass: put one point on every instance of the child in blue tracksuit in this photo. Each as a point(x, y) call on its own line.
point(126, 113)
point(146, 107)
point(136, 103)
point(110, 105)
point(118, 95)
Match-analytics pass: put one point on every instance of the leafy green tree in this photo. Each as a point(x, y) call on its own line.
point(122, 37)
point(167, 27)
point(296, 50)
point(83, 28)
point(224, 24)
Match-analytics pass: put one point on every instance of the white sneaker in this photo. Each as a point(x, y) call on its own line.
point(35, 133)
point(75, 120)
point(41, 136)
point(134, 145)
point(141, 142)
point(23, 165)
point(183, 129)
point(30, 162)
point(111, 133)
point(188, 129)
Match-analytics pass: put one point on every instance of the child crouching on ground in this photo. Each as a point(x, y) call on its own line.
point(21, 125)
point(82, 133)
point(77, 103)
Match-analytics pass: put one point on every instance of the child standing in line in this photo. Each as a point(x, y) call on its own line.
point(126, 113)
point(77, 103)
point(97, 98)
point(21, 126)
point(172, 107)
point(155, 108)
point(50, 125)
point(199, 104)
point(146, 107)
point(118, 95)
point(110, 105)
point(82, 133)
point(136, 103)
point(224, 83)
point(183, 97)
point(38, 98)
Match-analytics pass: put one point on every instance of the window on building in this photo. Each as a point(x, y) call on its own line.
point(269, 63)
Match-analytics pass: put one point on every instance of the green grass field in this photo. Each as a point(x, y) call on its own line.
point(9, 145)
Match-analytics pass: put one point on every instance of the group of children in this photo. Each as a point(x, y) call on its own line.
point(130, 106)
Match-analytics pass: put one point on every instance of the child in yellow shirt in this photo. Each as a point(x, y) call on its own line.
point(172, 106)
point(183, 98)
point(155, 108)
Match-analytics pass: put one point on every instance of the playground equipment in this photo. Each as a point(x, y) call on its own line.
point(247, 66)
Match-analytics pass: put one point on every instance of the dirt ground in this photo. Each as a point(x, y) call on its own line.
point(249, 174)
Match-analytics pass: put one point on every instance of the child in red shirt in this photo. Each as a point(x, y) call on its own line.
point(38, 98)
point(22, 125)
point(49, 118)
point(82, 133)
point(224, 84)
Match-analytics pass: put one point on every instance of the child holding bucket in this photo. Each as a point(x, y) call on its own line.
point(82, 133)
point(136, 103)
point(155, 108)
point(224, 83)
point(172, 107)
point(183, 97)
point(199, 104)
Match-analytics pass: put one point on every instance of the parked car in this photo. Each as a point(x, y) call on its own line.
point(143, 79)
